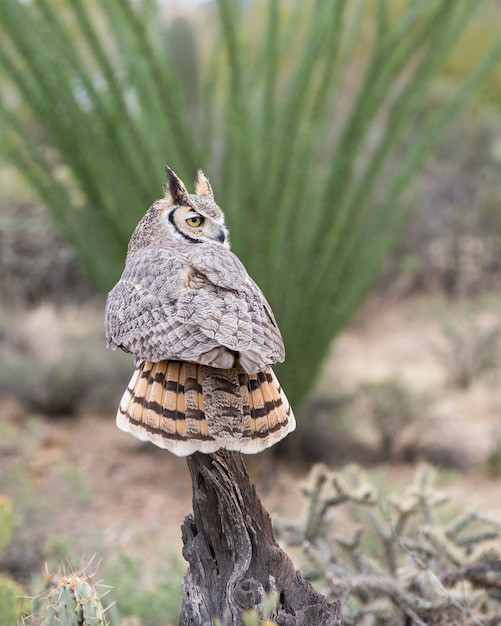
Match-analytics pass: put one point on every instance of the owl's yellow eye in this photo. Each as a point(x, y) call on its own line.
point(195, 220)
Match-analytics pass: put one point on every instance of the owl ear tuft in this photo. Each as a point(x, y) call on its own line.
point(203, 186)
point(175, 191)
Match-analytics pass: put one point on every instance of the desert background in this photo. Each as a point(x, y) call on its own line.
point(413, 378)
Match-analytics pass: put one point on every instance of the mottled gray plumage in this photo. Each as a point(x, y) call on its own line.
point(184, 296)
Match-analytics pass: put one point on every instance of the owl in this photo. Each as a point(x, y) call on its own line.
point(201, 331)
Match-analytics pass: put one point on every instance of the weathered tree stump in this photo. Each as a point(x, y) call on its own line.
point(233, 556)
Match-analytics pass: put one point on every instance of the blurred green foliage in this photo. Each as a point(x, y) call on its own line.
point(12, 595)
point(6, 521)
point(158, 605)
point(309, 117)
point(392, 407)
point(472, 350)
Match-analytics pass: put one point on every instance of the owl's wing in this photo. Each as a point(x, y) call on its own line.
point(199, 305)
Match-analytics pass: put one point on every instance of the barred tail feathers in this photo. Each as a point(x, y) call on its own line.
point(187, 407)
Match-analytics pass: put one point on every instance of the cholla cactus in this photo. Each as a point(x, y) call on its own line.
point(70, 601)
point(400, 562)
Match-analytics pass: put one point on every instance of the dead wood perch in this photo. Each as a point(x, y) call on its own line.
point(233, 556)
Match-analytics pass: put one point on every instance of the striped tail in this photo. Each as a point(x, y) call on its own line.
point(187, 407)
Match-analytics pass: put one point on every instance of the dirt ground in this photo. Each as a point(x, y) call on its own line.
point(81, 478)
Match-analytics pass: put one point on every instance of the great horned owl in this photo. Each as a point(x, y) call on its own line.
point(201, 331)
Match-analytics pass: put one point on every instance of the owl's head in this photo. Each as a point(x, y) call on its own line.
point(182, 216)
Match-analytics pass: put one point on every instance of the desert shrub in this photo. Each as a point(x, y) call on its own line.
point(473, 343)
point(37, 538)
point(56, 388)
point(325, 432)
point(392, 407)
point(399, 558)
point(452, 242)
point(391, 414)
point(36, 263)
point(63, 350)
point(494, 460)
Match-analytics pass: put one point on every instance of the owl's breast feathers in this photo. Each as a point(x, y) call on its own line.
point(197, 304)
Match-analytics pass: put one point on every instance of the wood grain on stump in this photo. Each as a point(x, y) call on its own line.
point(233, 557)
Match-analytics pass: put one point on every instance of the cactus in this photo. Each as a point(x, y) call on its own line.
point(401, 563)
point(71, 601)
